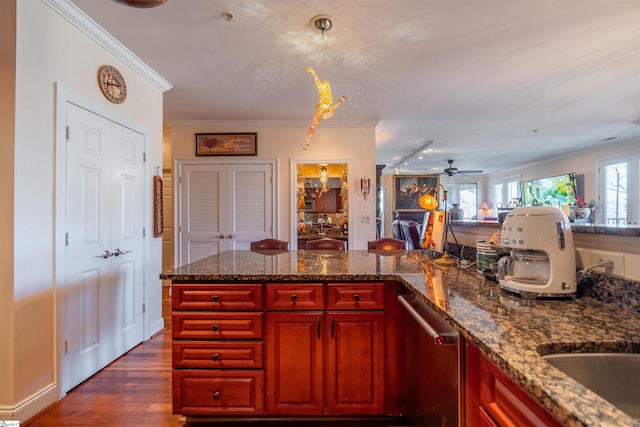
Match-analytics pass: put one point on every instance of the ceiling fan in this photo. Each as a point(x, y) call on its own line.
point(452, 171)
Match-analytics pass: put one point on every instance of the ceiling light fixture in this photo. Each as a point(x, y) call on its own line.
point(427, 147)
point(141, 3)
point(324, 109)
point(323, 176)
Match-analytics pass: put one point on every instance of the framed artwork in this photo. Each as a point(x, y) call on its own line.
point(407, 190)
point(226, 144)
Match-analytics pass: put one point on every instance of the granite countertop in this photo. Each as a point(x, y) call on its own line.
point(510, 330)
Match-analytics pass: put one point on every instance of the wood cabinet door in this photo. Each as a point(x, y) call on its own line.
point(294, 363)
point(355, 362)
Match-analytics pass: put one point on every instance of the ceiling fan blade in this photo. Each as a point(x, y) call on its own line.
point(470, 171)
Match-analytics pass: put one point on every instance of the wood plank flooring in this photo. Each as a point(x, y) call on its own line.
point(135, 390)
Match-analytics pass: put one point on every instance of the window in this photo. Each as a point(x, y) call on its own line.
point(506, 192)
point(619, 190)
point(466, 196)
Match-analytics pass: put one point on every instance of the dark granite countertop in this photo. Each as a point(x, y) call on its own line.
point(510, 330)
point(607, 230)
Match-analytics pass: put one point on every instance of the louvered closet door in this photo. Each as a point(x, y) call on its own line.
point(222, 207)
point(250, 204)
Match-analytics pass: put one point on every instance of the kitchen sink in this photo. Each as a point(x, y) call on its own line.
point(613, 376)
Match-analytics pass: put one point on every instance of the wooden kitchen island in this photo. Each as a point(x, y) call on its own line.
point(319, 334)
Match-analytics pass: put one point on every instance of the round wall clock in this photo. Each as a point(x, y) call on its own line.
point(112, 84)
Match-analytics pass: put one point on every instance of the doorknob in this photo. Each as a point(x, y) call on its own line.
point(105, 254)
point(118, 252)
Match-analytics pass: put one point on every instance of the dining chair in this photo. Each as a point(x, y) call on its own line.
point(267, 244)
point(386, 244)
point(327, 243)
point(411, 231)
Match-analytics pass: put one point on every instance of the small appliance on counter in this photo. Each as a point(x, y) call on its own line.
point(542, 261)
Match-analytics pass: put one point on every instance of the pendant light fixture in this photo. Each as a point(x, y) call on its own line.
point(323, 176)
point(325, 107)
point(141, 3)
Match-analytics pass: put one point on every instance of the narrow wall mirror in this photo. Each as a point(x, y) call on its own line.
point(322, 201)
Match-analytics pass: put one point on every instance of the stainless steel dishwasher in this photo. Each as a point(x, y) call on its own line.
point(434, 368)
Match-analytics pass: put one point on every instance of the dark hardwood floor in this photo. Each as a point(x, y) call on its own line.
point(135, 390)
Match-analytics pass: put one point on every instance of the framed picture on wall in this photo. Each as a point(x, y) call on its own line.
point(226, 144)
point(407, 190)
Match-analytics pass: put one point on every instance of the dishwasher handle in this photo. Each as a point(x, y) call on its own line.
point(439, 338)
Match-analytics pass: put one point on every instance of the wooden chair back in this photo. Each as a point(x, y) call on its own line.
point(386, 244)
point(327, 243)
point(269, 244)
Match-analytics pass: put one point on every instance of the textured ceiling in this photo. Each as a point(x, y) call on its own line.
point(494, 83)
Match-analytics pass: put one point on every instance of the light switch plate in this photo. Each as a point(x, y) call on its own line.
point(366, 218)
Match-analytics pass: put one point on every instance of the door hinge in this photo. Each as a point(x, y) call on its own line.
point(144, 232)
point(144, 157)
point(66, 239)
point(66, 346)
point(68, 133)
point(144, 308)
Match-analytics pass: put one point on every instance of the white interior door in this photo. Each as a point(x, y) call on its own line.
point(103, 287)
point(222, 207)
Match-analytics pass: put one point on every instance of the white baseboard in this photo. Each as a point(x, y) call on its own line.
point(31, 406)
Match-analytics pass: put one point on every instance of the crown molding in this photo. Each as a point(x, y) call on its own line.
point(217, 124)
point(88, 26)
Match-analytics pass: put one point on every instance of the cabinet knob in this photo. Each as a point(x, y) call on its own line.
point(215, 328)
point(356, 297)
point(221, 236)
point(294, 297)
point(216, 395)
point(215, 298)
point(215, 357)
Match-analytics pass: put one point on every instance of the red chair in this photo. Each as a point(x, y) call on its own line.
point(269, 244)
point(386, 244)
point(327, 244)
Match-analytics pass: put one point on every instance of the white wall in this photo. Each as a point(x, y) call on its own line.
point(51, 50)
point(333, 142)
point(582, 162)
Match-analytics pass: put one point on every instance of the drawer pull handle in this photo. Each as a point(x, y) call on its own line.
point(215, 298)
point(333, 327)
point(294, 297)
point(215, 328)
point(318, 326)
point(356, 297)
point(216, 395)
point(215, 357)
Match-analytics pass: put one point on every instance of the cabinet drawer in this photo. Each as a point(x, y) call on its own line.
point(217, 326)
point(218, 392)
point(216, 297)
point(355, 296)
point(217, 354)
point(296, 296)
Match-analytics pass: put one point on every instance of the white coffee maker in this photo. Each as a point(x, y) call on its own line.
point(542, 261)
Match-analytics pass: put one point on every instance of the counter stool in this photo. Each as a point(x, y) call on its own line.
point(327, 243)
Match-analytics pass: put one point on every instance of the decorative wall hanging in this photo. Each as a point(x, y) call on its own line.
point(226, 144)
point(158, 215)
point(409, 188)
point(325, 107)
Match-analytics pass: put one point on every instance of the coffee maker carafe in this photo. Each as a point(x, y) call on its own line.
point(542, 261)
